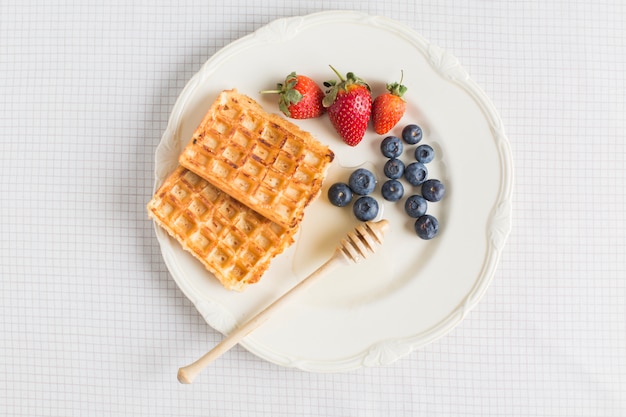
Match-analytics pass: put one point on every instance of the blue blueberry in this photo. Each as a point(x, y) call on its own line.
point(433, 190)
point(391, 147)
point(416, 173)
point(365, 208)
point(392, 190)
point(362, 181)
point(340, 194)
point(394, 168)
point(426, 227)
point(412, 134)
point(415, 206)
point(424, 154)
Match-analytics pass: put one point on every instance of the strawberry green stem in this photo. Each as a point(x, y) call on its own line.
point(337, 72)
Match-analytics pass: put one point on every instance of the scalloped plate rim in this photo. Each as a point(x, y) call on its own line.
point(455, 73)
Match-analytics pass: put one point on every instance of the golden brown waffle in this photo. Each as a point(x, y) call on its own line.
point(260, 159)
point(231, 240)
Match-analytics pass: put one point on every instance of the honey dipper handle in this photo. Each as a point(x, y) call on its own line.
point(187, 374)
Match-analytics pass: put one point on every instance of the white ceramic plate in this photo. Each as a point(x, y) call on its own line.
point(409, 293)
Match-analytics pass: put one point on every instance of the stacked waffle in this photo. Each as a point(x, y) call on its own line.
point(238, 196)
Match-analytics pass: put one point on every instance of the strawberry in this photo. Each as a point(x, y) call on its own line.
point(349, 104)
point(300, 97)
point(388, 108)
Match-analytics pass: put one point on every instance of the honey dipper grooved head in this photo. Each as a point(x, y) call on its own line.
point(365, 239)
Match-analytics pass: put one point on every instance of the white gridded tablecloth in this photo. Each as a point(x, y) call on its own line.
point(91, 322)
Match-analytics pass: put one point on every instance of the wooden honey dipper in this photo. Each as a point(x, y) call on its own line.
point(353, 248)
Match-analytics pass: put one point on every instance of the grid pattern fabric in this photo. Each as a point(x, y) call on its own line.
point(91, 322)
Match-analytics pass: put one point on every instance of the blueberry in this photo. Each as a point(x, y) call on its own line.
point(433, 190)
point(362, 181)
point(426, 227)
point(365, 208)
point(412, 134)
point(424, 154)
point(394, 168)
point(392, 190)
point(416, 173)
point(340, 194)
point(415, 206)
point(391, 147)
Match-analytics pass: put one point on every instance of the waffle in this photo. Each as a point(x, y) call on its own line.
point(261, 159)
point(233, 242)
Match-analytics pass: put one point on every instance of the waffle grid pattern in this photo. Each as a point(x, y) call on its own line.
point(232, 241)
point(260, 159)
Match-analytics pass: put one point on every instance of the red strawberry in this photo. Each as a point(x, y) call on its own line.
point(388, 108)
point(349, 104)
point(300, 97)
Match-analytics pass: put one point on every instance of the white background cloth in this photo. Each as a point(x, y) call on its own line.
point(91, 322)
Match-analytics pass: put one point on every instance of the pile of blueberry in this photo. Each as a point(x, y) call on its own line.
point(362, 183)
